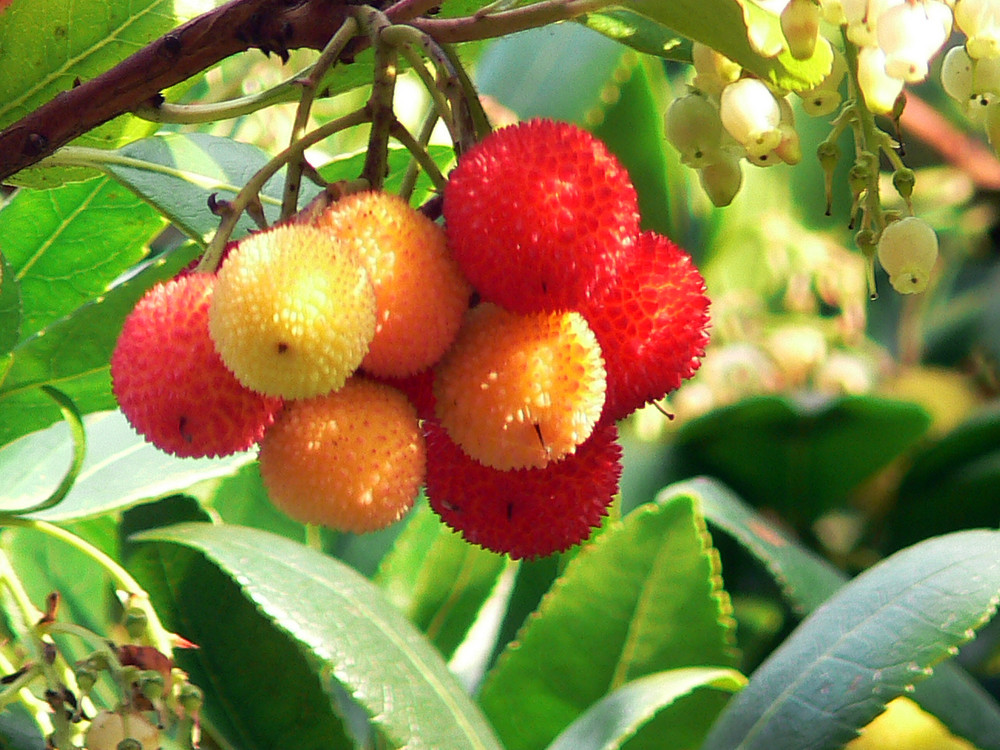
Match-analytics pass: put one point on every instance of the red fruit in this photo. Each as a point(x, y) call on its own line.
point(419, 389)
point(538, 215)
point(172, 385)
point(525, 512)
point(652, 324)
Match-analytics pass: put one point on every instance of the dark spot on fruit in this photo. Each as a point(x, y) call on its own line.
point(510, 511)
point(182, 427)
point(282, 347)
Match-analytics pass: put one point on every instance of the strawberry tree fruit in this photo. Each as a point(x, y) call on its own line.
point(293, 312)
point(652, 324)
point(538, 215)
point(171, 383)
point(525, 513)
point(352, 460)
point(520, 391)
point(420, 294)
point(109, 729)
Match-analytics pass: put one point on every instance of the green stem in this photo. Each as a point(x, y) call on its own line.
point(413, 168)
point(486, 26)
point(380, 103)
point(309, 85)
point(193, 114)
point(419, 152)
point(159, 637)
point(213, 254)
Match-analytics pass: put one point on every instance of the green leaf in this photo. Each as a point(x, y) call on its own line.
point(960, 472)
point(723, 26)
point(241, 500)
point(800, 457)
point(10, 308)
point(867, 644)
point(120, 470)
point(608, 724)
point(558, 71)
point(66, 245)
point(72, 353)
point(346, 630)
point(439, 581)
point(643, 598)
point(639, 33)
point(46, 45)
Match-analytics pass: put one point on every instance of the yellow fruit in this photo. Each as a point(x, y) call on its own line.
point(420, 294)
point(352, 460)
point(520, 391)
point(905, 726)
point(109, 728)
point(293, 312)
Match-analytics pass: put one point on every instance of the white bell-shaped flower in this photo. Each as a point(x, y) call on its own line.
point(979, 20)
point(750, 114)
point(907, 250)
point(826, 97)
point(879, 89)
point(693, 127)
point(910, 34)
point(973, 83)
point(956, 74)
point(862, 18)
point(800, 26)
point(833, 12)
point(721, 181)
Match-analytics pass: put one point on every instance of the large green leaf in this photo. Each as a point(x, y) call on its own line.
point(72, 353)
point(808, 580)
point(558, 72)
point(723, 25)
point(643, 598)
point(340, 623)
point(638, 32)
point(120, 469)
point(66, 245)
point(960, 472)
point(48, 44)
point(10, 308)
point(608, 724)
point(437, 579)
point(801, 457)
point(867, 644)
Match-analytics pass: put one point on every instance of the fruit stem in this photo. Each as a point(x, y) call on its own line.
point(193, 114)
point(422, 138)
point(309, 85)
point(213, 253)
point(488, 25)
point(383, 91)
point(422, 157)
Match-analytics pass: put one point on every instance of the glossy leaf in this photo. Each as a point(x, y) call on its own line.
point(68, 244)
point(557, 71)
point(867, 644)
point(240, 499)
point(808, 580)
point(120, 470)
point(639, 33)
point(610, 723)
point(73, 352)
point(48, 44)
point(346, 630)
point(438, 580)
point(723, 26)
point(801, 457)
point(10, 308)
point(961, 472)
point(643, 598)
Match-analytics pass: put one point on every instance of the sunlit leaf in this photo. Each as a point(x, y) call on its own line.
point(345, 628)
point(10, 308)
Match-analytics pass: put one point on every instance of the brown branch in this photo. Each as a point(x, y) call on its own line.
point(269, 25)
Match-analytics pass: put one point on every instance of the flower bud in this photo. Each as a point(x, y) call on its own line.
point(191, 698)
point(693, 127)
point(879, 89)
point(903, 180)
point(910, 35)
point(980, 21)
point(956, 74)
point(721, 181)
point(907, 250)
point(751, 114)
point(800, 25)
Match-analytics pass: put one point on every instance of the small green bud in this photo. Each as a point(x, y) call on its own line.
point(86, 677)
point(903, 180)
point(129, 743)
point(858, 177)
point(136, 622)
point(151, 684)
point(191, 698)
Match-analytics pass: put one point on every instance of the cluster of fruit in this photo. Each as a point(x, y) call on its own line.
point(349, 349)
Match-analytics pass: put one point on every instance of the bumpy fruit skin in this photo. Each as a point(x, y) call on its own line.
point(526, 513)
point(352, 460)
point(420, 294)
point(519, 391)
point(538, 215)
point(293, 312)
point(171, 383)
point(652, 324)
